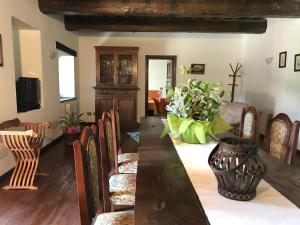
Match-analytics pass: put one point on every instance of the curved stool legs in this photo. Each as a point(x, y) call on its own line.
point(25, 170)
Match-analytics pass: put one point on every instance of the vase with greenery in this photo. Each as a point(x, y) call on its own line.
point(70, 125)
point(193, 111)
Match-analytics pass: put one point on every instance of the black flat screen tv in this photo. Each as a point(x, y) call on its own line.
point(28, 94)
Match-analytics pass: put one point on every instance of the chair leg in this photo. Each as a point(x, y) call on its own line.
point(25, 170)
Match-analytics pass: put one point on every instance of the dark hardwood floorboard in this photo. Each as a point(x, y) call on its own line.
point(55, 202)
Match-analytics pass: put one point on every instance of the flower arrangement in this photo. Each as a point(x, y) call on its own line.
point(193, 110)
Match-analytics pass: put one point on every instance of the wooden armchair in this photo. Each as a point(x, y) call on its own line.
point(249, 125)
point(89, 185)
point(281, 137)
point(25, 144)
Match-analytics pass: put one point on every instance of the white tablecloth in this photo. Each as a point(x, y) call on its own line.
point(269, 207)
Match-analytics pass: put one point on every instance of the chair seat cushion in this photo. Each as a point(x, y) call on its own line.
point(123, 198)
point(128, 157)
point(115, 218)
point(122, 183)
point(130, 167)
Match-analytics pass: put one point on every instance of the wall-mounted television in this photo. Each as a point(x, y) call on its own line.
point(28, 94)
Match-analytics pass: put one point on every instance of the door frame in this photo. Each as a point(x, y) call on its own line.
point(173, 58)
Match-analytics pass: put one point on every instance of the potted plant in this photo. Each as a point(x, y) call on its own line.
point(70, 124)
point(193, 111)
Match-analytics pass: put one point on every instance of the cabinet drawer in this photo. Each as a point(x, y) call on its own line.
point(116, 92)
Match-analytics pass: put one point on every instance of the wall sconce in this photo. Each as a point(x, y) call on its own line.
point(268, 60)
point(52, 54)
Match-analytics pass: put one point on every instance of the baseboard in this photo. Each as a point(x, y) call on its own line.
point(4, 176)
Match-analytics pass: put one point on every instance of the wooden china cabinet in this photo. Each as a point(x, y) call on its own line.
point(116, 83)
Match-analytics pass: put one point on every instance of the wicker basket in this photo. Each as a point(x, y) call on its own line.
point(237, 168)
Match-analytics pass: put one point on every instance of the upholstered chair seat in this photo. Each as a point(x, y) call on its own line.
point(122, 183)
point(131, 168)
point(128, 157)
point(122, 189)
point(115, 218)
point(123, 199)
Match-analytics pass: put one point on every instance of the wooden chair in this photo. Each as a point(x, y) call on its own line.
point(88, 180)
point(120, 187)
point(157, 106)
point(25, 146)
point(281, 137)
point(249, 125)
point(125, 167)
point(122, 157)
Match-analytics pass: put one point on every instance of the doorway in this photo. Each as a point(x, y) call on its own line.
point(160, 75)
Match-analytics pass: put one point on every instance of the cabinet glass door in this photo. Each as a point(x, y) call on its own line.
point(107, 68)
point(125, 69)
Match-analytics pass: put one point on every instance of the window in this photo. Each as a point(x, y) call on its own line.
point(66, 71)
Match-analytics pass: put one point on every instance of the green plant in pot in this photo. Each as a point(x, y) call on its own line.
point(193, 111)
point(70, 124)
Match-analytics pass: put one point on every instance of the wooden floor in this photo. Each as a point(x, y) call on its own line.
point(55, 202)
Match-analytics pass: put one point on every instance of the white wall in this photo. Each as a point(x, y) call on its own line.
point(158, 75)
point(277, 88)
point(214, 50)
point(51, 30)
point(267, 87)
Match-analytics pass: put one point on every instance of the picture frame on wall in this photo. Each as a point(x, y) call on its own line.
point(297, 63)
point(197, 68)
point(282, 59)
point(1, 52)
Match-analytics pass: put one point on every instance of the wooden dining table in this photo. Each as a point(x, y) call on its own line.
point(165, 194)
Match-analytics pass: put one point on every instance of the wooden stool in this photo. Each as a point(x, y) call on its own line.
point(25, 146)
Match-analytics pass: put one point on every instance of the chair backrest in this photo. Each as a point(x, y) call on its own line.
point(105, 168)
point(249, 126)
point(25, 141)
point(110, 143)
point(88, 177)
point(281, 137)
point(115, 119)
point(157, 105)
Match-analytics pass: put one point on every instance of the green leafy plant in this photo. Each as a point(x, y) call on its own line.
point(193, 110)
point(70, 123)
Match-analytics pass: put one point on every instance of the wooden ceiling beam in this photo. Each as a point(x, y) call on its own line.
point(145, 24)
point(174, 8)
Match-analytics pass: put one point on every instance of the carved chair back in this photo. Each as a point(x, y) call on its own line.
point(249, 126)
point(88, 176)
point(115, 119)
point(281, 137)
point(110, 135)
point(105, 166)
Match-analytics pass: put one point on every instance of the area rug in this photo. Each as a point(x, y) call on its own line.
point(135, 136)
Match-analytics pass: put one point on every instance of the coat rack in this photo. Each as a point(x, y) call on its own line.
point(234, 76)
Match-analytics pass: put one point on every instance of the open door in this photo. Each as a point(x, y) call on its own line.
point(160, 75)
